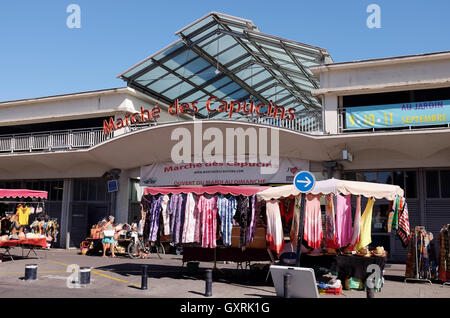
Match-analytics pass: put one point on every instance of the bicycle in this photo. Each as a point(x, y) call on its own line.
point(137, 248)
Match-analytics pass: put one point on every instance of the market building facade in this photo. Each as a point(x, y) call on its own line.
point(225, 74)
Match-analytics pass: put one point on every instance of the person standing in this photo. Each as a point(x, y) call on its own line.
point(108, 241)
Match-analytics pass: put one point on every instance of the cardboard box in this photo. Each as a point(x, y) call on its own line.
point(259, 240)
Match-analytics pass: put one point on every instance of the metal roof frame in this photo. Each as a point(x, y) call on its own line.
point(259, 58)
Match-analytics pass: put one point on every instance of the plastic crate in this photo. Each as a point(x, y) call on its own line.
point(330, 291)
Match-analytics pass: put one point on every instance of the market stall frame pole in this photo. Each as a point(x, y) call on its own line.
point(300, 228)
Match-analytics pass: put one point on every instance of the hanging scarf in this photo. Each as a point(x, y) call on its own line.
point(395, 217)
point(357, 223)
point(366, 226)
point(403, 224)
point(295, 221)
point(330, 222)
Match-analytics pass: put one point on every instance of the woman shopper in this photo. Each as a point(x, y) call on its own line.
point(108, 240)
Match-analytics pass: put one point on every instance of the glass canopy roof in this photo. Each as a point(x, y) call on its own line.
point(228, 57)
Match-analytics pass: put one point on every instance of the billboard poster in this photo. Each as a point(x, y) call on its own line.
point(231, 173)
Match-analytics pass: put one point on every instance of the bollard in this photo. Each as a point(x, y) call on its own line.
point(85, 275)
point(370, 292)
point(208, 283)
point(144, 277)
point(287, 285)
point(31, 272)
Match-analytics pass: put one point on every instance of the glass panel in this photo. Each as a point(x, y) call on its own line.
point(197, 25)
point(92, 193)
point(380, 218)
point(138, 68)
point(217, 84)
point(411, 184)
point(445, 183)
point(178, 90)
point(367, 176)
point(231, 54)
point(399, 179)
point(224, 91)
point(237, 64)
point(350, 176)
point(208, 30)
point(194, 97)
point(385, 177)
point(203, 76)
point(164, 83)
point(169, 50)
point(432, 184)
point(180, 59)
point(149, 77)
point(239, 94)
point(193, 67)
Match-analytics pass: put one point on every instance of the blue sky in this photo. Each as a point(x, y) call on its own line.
point(41, 56)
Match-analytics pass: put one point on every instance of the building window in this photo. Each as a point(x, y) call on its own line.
point(438, 184)
point(406, 179)
point(90, 190)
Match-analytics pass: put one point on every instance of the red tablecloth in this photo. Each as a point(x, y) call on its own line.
point(35, 241)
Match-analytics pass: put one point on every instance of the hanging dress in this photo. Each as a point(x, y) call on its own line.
point(155, 212)
point(343, 220)
point(256, 209)
point(226, 208)
point(208, 209)
point(274, 234)
point(404, 231)
point(312, 232)
point(357, 222)
point(165, 215)
point(190, 220)
point(241, 217)
point(177, 206)
point(366, 226)
point(330, 224)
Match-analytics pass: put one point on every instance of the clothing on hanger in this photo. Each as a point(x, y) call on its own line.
point(366, 226)
point(330, 223)
point(241, 217)
point(208, 209)
point(191, 220)
point(227, 209)
point(313, 233)
point(357, 223)
point(293, 234)
point(177, 207)
point(155, 213)
point(343, 220)
point(403, 230)
point(274, 234)
point(165, 214)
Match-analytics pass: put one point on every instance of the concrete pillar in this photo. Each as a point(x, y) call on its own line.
point(122, 198)
point(65, 213)
point(330, 113)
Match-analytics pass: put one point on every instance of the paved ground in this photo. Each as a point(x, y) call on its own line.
point(121, 277)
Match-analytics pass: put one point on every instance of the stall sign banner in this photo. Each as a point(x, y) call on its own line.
point(398, 115)
point(171, 174)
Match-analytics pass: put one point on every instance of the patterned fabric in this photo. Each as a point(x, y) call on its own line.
point(396, 208)
point(177, 207)
point(444, 254)
point(293, 235)
point(410, 270)
point(389, 223)
point(165, 215)
point(357, 222)
point(241, 217)
point(155, 212)
point(208, 209)
point(226, 208)
point(403, 224)
point(343, 220)
point(146, 206)
point(330, 225)
point(366, 226)
point(313, 233)
point(274, 234)
point(256, 210)
point(191, 220)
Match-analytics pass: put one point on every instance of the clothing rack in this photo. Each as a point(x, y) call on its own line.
point(417, 278)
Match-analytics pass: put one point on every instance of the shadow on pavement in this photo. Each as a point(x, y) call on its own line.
point(224, 275)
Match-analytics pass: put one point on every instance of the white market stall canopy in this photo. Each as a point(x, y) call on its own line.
point(336, 186)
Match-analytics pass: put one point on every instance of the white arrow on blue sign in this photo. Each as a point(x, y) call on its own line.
point(304, 181)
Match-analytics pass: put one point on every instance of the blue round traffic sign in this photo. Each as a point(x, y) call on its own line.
point(304, 181)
